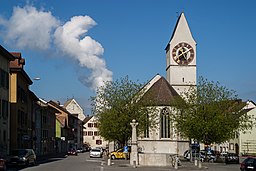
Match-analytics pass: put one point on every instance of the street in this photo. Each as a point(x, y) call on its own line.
point(82, 162)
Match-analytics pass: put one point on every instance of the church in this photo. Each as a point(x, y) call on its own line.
point(180, 76)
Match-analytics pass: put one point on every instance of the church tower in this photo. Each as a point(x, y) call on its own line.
point(181, 57)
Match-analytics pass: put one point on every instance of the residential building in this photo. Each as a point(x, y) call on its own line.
point(73, 131)
point(68, 124)
point(22, 101)
point(5, 58)
point(61, 145)
point(91, 133)
point(247, 139)
point(45, 128)
point(244, 142)
point(76, 110)
point(235, 145)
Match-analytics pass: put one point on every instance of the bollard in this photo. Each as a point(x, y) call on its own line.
point(195, 162)
point(101, 168)
point(199, 164)
point(134, 164)
point(176, 162)
point(109, 161)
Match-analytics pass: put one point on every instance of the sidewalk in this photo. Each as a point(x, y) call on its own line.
point(125, 165)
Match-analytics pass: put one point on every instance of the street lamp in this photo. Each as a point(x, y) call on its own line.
point(37, 78)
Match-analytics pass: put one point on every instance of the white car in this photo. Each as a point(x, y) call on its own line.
point(95, 153)
point(101, 149)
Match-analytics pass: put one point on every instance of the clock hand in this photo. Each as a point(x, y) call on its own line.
point(182, 53)
point(178, 56)
point(185, 56)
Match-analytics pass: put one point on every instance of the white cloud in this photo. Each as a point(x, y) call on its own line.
point(71, 38)
point(29, 28)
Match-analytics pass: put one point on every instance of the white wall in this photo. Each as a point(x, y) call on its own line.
point(92, 139)
point(248, 139)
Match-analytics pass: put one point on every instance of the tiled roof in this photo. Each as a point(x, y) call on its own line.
point(161, 93)
point(247, 110)
point(61, 119)
point(67, 102)
point(62, 115)
point(57, 105)
point(87, 119)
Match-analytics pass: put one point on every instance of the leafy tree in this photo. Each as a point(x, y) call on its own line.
point(116, 104)
point(210, 113)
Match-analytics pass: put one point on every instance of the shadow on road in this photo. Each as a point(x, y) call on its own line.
point(40, 160)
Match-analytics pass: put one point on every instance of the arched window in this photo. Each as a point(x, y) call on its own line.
point(146, 127)
point(165, 123)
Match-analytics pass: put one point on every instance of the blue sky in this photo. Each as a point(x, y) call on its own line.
point(126, 37)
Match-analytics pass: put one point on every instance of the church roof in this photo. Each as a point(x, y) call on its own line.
point(160, 92)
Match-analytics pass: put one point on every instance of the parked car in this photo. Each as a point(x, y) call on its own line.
point(86, 148)
point(79, 150)
point(101, 149)
point(120, 153)
point(95, 153)
point(231, 158)
point(22, 157)
point(249, 164)
point(2, 164)
point(72, 151)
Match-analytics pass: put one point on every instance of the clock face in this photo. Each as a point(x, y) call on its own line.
point(183, 53)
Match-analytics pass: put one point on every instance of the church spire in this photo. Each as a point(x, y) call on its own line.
point(181, 57)
point(181, 31)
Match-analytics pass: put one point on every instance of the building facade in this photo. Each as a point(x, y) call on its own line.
point(5, 58)
point(45, 129)
point(69, 124)
point(164, 138)
point(76, 110)
point(91, 133)
point(22, 101)
point(244, 142)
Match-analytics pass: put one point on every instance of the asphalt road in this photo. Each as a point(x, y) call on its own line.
point(82, 162)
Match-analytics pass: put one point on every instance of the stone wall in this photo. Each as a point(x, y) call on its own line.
point(154, 159)
point(163, 146)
